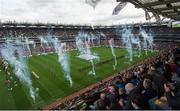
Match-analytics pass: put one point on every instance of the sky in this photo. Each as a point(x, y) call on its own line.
point(68, 12)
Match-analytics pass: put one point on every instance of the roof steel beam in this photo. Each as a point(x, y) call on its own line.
point(160, 3)
point(148, 6)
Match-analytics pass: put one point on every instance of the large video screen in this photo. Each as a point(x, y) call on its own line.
point(176, 24)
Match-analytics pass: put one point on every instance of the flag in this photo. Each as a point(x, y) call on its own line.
point(87, 44)
point(111, 41)
point(163, 19)
point(92, 3)
point(157, 17)
point(118, 8)
point(147, 15)
point(64, 47)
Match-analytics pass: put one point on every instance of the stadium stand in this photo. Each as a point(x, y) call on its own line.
point(151, 84)
point(142, 86)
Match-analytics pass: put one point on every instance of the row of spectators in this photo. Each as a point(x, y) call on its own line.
point(153, 84)
point(37, 32)
point(69, 32)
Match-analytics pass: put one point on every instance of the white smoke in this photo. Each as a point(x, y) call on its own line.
point(148, 40)
point(111, 44)
point(63, 59)
point(14, 55)
point(83, 41)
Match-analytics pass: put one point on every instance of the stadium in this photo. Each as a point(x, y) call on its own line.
point(57, 66)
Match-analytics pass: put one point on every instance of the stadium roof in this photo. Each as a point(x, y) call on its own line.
point(166, 8)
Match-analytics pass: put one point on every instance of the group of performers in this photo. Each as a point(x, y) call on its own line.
point(8, 76)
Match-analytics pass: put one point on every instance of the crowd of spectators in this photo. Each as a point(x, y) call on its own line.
point(152, 84)
point(35, 32)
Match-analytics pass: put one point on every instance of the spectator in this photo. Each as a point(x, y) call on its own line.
point(167, 71)
point(113, 99)
point(158, 81)
point(139, 102)
point(130, 90)
point(148, 92)
point(122, 94)
point(101, 103)
point(173, 95)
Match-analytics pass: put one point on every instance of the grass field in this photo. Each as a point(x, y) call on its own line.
point(52, 84)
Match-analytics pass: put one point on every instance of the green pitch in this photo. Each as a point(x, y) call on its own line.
point(52, 83)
